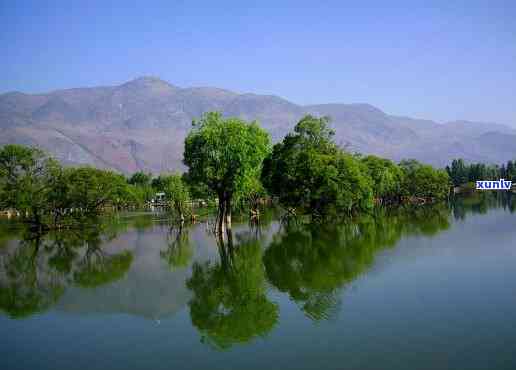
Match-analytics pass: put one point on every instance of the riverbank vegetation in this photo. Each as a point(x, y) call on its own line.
point(308, 172)
point(231, 163)
point(462, 173)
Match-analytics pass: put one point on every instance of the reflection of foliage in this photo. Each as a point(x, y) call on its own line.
point(26, 298)
point(35, 273)
point(481, 202)
point(311, 263)
point(103, 269)
point(179, 252)
point(25, 290)
point(230, 303)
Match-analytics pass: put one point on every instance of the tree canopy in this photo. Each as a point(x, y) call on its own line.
point(308, 171)
point(424, 181)
point(386, 175)
point(225, 155)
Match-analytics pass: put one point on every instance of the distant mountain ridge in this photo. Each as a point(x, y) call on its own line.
point(141, 125)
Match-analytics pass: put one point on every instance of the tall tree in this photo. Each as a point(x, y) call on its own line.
point(176, 192)
point(27, 178)
point(308, 171)
point(225, 155)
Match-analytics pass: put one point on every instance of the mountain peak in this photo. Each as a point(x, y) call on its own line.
point(149, 81)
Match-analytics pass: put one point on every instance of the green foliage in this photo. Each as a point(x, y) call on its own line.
point(140, 179)
point(387, 177)
point(140, 189)
point(47, 194)
point(225, 155)
point(424, 181)
point(461, 173)
point(308, 171)
point(177, 193)
point(27, 178)
point(510, 171)
point(137, 196)
point(458, 172)
point(89, 189)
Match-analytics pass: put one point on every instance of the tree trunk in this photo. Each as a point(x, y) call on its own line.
point(228, 213)
point(224, 213)
point(221, 214)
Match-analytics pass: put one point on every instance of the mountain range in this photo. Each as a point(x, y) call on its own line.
point(141, 125)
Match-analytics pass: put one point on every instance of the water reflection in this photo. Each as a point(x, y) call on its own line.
point(179, 251)
point(230, 304)
point(481, 202)
point(312, 263)
point(153, 270)
point(35, 273)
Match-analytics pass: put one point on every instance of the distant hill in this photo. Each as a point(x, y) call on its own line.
point(141, 125)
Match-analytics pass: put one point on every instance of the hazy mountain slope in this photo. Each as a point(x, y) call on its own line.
point(141, 124)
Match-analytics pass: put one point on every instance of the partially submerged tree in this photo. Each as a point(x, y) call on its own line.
point(225, 155)
point(27, 178)
point(176, 192)
point(308, 171)
point(90, 189)
point(48, 195)
point(140, 190)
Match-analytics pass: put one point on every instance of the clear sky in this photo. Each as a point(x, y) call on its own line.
point(442, 60)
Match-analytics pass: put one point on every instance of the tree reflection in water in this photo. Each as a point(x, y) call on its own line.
point(179, 250)
point(35, 273)
point(481, 202)
point(230, 304)
point(312, 263)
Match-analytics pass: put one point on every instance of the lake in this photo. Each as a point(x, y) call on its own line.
point(431, 287)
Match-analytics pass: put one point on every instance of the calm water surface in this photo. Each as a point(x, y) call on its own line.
point(425, 288)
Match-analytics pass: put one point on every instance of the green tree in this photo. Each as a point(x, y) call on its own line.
point(308, 171)
point(89, 189)
point(176, 192)
point(225, 155)
point(423, 181)
point(141, 189)
point(511, 170)
point(458, 172)
point(140, 179)
point(387, 177)
point(27, 179)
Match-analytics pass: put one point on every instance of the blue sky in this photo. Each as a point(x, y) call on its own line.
point(442, 60)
